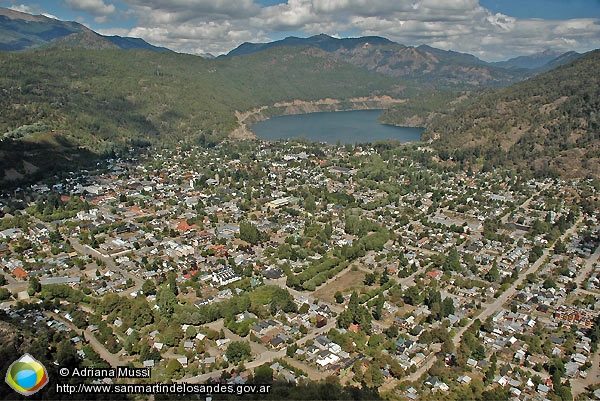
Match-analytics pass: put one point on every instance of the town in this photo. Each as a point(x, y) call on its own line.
point(377, 264)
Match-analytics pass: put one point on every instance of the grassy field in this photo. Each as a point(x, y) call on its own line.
point(345, 283)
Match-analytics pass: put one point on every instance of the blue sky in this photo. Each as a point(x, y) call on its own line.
point(546, 9)
point(490, 29)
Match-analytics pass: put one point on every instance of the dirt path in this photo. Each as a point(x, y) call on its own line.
point(112, 359)
point(309, 295)
point(429, 361)
point(262, 354)
point(312, 372)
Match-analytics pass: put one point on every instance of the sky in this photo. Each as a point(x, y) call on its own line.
point(492, 30)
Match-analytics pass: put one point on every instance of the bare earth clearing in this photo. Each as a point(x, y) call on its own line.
point(344, 284)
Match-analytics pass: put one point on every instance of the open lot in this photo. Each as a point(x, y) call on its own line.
point(345, 283)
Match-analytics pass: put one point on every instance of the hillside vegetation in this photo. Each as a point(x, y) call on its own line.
point(108, 99)
point(548, 124)
point(419, 111)
point(115, 96)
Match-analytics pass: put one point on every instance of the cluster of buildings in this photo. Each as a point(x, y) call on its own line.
point(179, 212)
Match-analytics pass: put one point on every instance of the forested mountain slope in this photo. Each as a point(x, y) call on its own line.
point(107, 99)
point(548, 124)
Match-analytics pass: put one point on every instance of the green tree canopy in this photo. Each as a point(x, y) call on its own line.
point(238, 351)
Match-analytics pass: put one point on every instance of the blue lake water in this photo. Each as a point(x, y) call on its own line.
point(344, 126)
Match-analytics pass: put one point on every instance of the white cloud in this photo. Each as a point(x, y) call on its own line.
point(22, 8)
point(97, 8)
point(114, 31)
point(35, 10)
point(501, 21)
point(217, 26)
point(296, 14)
point(362, 7)
point(187, 10)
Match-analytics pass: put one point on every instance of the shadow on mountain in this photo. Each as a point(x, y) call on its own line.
point(24, 162)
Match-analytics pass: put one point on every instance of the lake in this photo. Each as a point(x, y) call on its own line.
point(352, 127)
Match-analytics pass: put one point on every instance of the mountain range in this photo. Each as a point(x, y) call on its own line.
point(20, 31)
point(538, 60)
point(432, 68)
point(70, 94)
point(59, 100)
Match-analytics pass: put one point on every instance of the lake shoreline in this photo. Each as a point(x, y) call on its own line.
point(344, 126)
point(248, 118)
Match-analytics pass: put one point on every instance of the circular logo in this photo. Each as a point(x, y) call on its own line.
point(26, 375)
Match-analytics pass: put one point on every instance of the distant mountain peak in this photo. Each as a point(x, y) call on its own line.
point(535, 60)
point(21, 31)
point(322, 41)
point(435, 68)
point(549, 52)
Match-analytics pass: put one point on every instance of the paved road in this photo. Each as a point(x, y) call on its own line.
point(585, 271)
point(87, 250)
point(486, 311)
point(526, 203)
point(588, 267)
point(495, 306)
point(112, 359)
point(593, 373)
